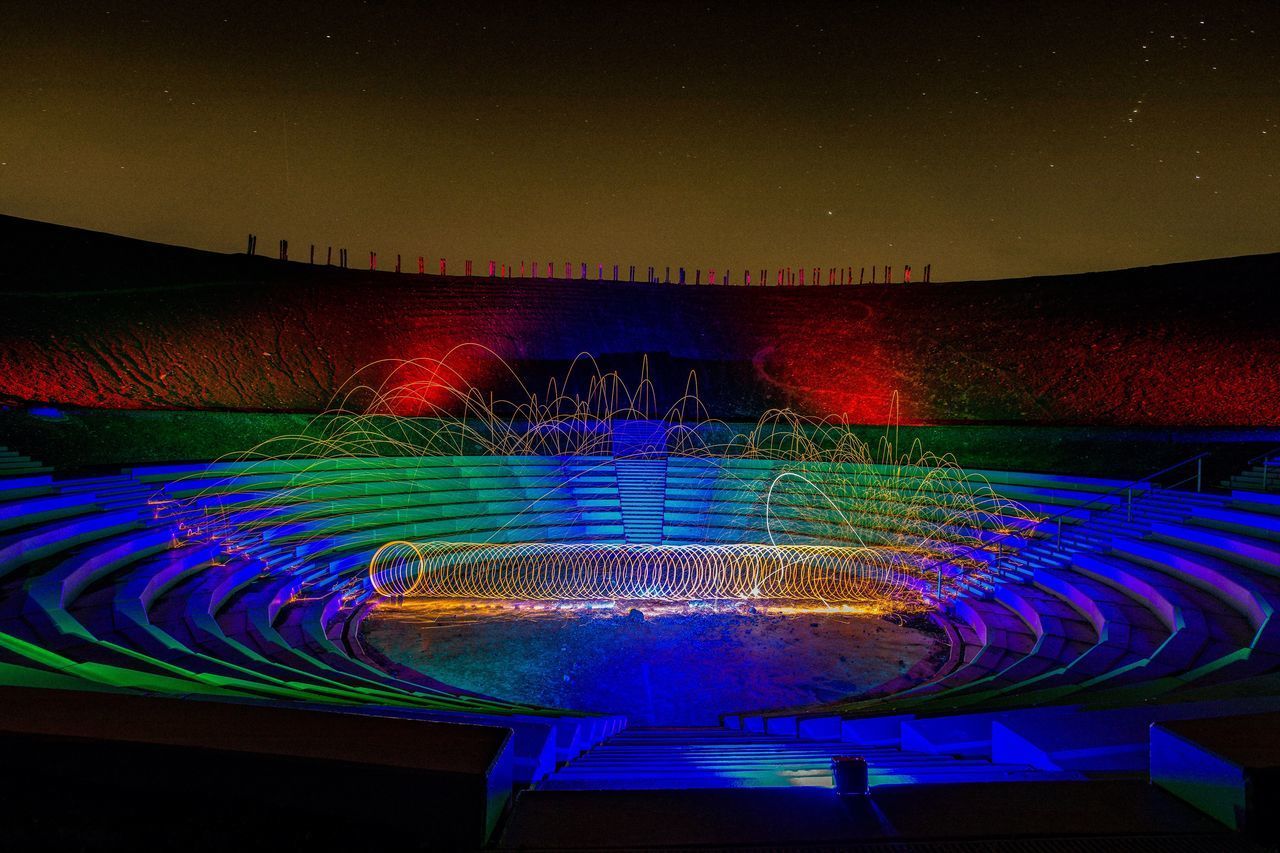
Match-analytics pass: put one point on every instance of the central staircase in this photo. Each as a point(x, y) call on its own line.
point(642, 490)
point(640, 461)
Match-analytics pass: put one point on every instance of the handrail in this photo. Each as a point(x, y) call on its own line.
point(1275, 451)
point(1136, 482)
point(1266, 458)
point(1070, 510)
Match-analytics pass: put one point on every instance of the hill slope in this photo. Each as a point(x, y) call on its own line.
point(101, 321)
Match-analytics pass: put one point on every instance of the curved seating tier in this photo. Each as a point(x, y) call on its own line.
point(109, 583)
point(1162, 608)
point(246, 582)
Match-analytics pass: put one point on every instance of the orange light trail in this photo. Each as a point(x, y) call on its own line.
point(553, 571)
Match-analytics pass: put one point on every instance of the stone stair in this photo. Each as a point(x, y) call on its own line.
point(1095, 534)
point(14, 464)
point(1263, 477)
point(640, 462)
point(712, 757)
point(642, 489)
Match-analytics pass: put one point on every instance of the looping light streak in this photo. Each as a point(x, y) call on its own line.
point(768, 504)
point(554, 571)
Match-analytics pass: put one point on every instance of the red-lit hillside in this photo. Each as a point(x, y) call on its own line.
point(101, 321)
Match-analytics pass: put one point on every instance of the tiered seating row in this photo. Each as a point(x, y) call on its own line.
point(102, 588)
point(1145, 614)
point(246, 582)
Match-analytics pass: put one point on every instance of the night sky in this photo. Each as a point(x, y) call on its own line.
point(988, 139)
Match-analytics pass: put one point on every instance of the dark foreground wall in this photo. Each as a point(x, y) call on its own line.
point(112, 771)
point(1189, 344)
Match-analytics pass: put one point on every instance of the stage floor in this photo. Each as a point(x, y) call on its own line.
point(669, 665)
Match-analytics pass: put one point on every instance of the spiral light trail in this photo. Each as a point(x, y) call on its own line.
point(552, 571)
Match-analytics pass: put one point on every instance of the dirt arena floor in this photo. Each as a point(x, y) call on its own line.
point(659, 664)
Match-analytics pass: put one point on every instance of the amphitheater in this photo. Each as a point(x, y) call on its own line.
point(1111, 682)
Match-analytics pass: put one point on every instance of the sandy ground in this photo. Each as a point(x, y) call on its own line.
point(665, 666)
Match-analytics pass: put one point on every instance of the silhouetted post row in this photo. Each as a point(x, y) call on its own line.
point(785, 276)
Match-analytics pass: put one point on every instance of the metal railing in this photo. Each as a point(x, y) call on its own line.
point(1127, 488)
point(1273, 453)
